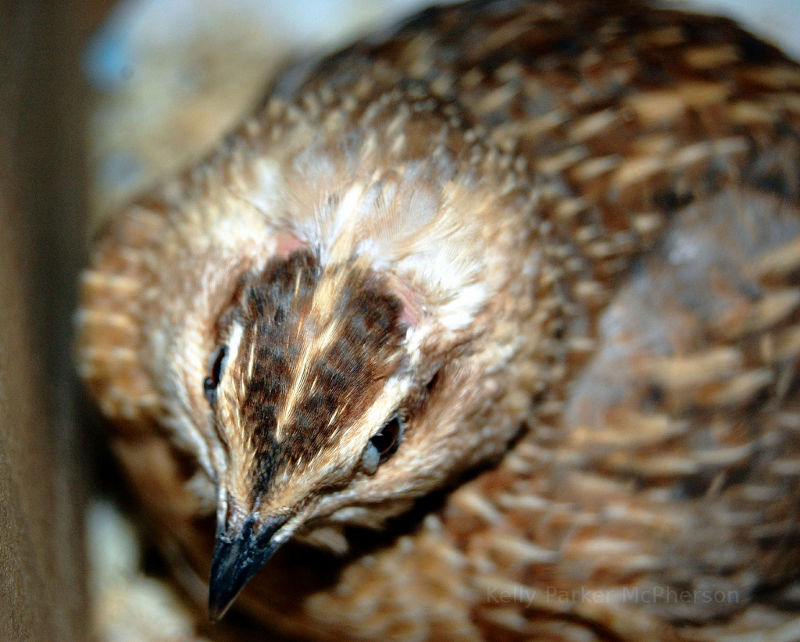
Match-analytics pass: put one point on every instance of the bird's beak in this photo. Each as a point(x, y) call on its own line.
point(239, 552)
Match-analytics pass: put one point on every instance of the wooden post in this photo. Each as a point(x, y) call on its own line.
point(42, 496)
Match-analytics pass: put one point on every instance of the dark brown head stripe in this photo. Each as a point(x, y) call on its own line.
point(344, 377)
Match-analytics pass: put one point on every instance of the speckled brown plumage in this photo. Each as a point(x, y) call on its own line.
point(558, 244)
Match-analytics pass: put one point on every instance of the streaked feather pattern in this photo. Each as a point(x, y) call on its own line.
point(581, 223)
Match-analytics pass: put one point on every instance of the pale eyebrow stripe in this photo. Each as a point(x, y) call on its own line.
point(235, 342)
point(311, 352)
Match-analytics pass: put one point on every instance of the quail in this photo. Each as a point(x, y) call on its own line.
point(484, 328)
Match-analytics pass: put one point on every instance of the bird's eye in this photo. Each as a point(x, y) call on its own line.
point(383, 444)
point(211, 382)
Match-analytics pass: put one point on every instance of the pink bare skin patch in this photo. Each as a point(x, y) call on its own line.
point(286, 244)
point(412, 307)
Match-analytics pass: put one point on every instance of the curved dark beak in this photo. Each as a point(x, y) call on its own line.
point(239, 553)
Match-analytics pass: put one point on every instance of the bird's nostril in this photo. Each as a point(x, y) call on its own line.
point(266, 529)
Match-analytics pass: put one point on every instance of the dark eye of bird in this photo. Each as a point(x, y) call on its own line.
point(386, 440)
point(211, 382)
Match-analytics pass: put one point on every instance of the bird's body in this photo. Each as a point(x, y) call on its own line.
point(504, 310)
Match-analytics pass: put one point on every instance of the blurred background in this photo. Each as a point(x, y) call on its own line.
point(170, 76)
point(99, 100)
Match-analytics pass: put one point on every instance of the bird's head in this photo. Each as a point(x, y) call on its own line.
point(340, 311)
point(345, 330)
point(313, 385)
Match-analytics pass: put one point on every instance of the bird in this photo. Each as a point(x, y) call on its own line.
point(484, 327)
